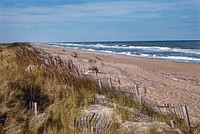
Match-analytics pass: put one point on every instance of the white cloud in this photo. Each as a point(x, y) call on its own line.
point(121, 11)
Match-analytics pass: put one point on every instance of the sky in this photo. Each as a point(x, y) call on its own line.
point(98, 20)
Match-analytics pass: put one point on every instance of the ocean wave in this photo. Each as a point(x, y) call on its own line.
point(189, 51)
point(145, 55)
point(66, 44)
point(93, 50)
point(155, 52)
point(174, 58)
point(111, 52)
point(115, 46)
point(181, 58)
point(150, 47)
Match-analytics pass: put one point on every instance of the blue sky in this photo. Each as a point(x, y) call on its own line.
point(99, 20)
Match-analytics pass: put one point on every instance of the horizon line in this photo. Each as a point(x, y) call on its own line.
point(103, 41)
point(123, 41)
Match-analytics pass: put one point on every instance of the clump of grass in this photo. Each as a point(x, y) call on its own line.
point(53, 83)
point(119, 98)
point(123, 115)
point(179, 123)
point(75, 55)
point(196, 129)
point(114, 128)
point(92, 61)
point(129, 130)
point(153, 129)
point(94, 68)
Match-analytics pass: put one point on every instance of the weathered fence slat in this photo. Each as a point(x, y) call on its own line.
point(110, 82)
point(185, 111)
point(35, 108)
point(93, 124)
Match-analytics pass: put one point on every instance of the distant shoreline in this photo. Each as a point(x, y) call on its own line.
point(134, 56)
point(178, 51)
point(168, 65)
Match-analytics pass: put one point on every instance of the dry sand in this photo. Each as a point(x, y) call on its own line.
point(162, 81)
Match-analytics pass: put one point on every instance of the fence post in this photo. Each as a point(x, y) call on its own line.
point(77, 69)
point(96, 75)
point(100, 84)
point(174, 109)
point(139, 97)
point(31, 105)
point(136, 88)
point(35, 107)
point(75, 125)
point(185, 111)
point(140, 101)
point(172, 123)
point(110, 82)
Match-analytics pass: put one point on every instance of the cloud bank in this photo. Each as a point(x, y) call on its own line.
point(101, 11)
point(99, 19)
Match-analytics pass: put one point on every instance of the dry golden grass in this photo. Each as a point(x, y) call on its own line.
point(32, 75)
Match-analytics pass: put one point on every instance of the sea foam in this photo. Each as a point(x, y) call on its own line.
point(181, 51)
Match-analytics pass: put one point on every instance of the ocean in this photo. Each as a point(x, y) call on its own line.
point(179, 51)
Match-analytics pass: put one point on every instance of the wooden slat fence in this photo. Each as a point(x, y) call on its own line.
point(175, 110)
point(150, 103)
point(92, 124)
point(102, 100)
point(130, 92)
point(81, 71)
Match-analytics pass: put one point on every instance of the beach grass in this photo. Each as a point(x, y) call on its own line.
point(28, 76)
point(32, 75)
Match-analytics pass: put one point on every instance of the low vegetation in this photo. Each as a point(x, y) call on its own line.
point(31, 75)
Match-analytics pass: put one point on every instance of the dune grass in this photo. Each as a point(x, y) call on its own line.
point(32, 75)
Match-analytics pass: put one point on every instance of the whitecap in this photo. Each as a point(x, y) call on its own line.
point(189, 51)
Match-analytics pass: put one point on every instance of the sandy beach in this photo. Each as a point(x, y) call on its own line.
point(162, 81)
